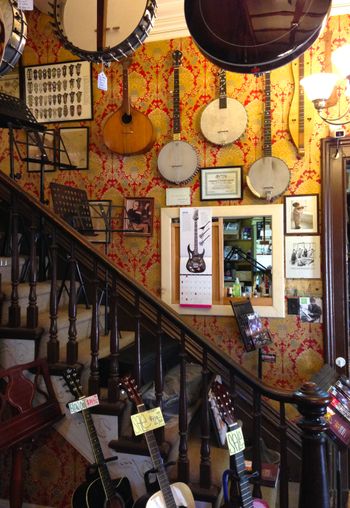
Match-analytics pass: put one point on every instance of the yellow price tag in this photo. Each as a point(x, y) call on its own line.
point(235, 441)
point(147, 420)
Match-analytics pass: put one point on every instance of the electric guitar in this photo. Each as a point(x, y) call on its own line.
point(224, 405)
point(167, 494)
point(128, 131)
point(224, 119)
point(102, 491)
point(195, 263)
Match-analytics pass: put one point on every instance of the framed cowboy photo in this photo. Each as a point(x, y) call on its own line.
point(301, 214)
point(138, 216)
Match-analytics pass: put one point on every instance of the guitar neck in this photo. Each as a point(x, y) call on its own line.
point(267, 117)
point(126, 100)
point(244, 488)
point(157, 462)
point(196, 237)
point(98, 455)
point(176, 104)
point(301, 102)
point(222, 90)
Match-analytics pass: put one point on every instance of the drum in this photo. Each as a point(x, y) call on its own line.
point(15, 34)
point(126, 25)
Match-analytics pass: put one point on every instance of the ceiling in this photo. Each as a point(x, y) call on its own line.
point(170, 21)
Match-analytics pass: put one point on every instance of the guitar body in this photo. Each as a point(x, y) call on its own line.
point(92, 495)
point(222, 126)
point(177, 161)
point(157, 498)
point(195, 263)
point(268, 177)
point(128, 134)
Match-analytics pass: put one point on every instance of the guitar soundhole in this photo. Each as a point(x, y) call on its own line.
point(126, 118)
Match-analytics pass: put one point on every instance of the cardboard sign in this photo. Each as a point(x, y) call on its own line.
point(147, 420)
point(102, 81)
point(84, 403)
point(235, 441)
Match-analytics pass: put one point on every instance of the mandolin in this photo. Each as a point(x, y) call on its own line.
point(177, 160)
point(269, 176)
point(223, 402)
point(128, 131)
point(169, 495)
point(102, 490)
point(224, 119)
point(195, 263)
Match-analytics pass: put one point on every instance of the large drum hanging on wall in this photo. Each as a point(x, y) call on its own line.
point(103, 30)
point(15, 35)
point(251, 36)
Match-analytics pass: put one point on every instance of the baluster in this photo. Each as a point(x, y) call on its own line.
point(14, 308)
point(94, 379)
point(183, 462)
point(205, 464)
point(256, 442)
point(284, 501)
point(159, 374)
point(113, 388)
point(314, 488)
point(32, 309)
point(72, 345)
point(137, 373)
point(53, 344)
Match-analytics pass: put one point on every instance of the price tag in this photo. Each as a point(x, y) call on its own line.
point(85, 403)
point(148, 420)
point(25, 5)
point(235, 441)
point(102, 81)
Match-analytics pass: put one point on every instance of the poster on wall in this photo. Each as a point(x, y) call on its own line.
point(303, 257)
point(196, 257)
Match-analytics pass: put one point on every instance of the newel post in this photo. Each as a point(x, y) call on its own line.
point(314, 488)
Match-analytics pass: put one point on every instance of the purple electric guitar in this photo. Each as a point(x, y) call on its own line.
point(195, 263)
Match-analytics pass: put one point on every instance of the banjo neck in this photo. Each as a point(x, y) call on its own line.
point(267, 117)
point(222, 89)
point(177, 56)
point(101, 24)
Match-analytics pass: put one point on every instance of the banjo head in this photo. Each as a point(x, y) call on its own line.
point(222, 126)
point(268, 177)
point(177, 162)
point(249, 36)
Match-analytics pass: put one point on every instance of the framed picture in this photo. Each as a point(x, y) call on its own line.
point(302, 257)
point(100, 212)
point(74, 147)
point(310, 309)
point(138, 216)
point(48, 141)
point(221, 183)
point(301, 214)
point(59, 92)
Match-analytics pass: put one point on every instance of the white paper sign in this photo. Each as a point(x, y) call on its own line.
point(25, 5)
point(178, 197)
point(84, 403)
point(102, 81)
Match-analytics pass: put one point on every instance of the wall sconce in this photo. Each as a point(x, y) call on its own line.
point(319, 87)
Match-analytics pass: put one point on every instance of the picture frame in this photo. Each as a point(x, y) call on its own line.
point(138, 216)
point(74, 148)
point(221, 183)
point(33, 157)
point(301, 214)
point(59, 92)
point(100, 212)
point(303, 257)
point(310, 309)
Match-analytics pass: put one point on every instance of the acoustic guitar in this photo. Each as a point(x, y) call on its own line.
point(195, 263)
point(269, 176)
point(102, 490)
point(177, 160)
point(128, 131)
point(224, 119)
point(167, 494)
point(224, 405)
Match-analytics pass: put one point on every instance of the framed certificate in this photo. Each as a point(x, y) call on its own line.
point(221, 183)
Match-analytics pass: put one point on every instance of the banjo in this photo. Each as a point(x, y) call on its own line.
point(177, 160)
point(15, 35)
point(224, 119)
point(112, 29)
point(269, 176)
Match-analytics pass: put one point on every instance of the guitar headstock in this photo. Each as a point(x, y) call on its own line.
point(71, 377)
point(224, 402)
point(195, 214)
point(177, 57)
point(130, 386)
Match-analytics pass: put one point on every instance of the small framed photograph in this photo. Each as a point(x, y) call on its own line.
point(41, 144)
point(138, 216)
point(74, 147)
point(221, 183)
point(310, 309)
point(301, 214)
point(59, 92)
point(303, 257)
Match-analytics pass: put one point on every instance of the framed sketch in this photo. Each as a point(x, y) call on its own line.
point(74, 147)
point(302, 257)
point(138, 216)
point(59, 92)
point(221, 183)
point(48, 142)
point(301, 214)
point(100, 211)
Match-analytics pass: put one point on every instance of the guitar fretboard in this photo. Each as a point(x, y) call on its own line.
point(176, 101)
point(267, 117)
point(246, 496)
point(222, 90)
point(301, 98)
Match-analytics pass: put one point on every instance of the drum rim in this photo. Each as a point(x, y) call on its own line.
point(257, 192)
point(193, 173)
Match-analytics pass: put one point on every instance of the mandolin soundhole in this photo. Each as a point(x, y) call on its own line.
point(126, 118)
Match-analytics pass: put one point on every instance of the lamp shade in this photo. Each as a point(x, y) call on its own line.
point(319, 86)
point(341, 60)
